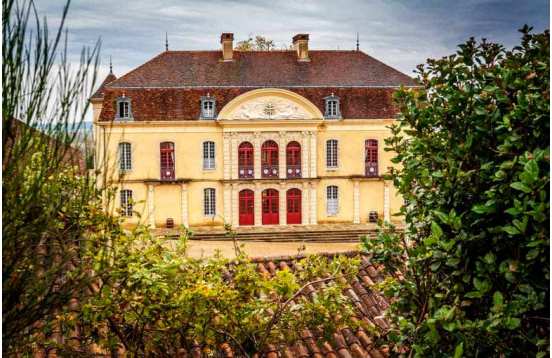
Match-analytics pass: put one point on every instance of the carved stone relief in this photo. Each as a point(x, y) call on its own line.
point(269, 107)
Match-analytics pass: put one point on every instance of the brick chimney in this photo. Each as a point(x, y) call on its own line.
point(227, 41)
point(301, 45)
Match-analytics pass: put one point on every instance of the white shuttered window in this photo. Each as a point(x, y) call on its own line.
point(332, 201)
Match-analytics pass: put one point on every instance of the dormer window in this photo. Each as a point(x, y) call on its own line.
point(123, 108)
point(332, 107)
point(208, 107)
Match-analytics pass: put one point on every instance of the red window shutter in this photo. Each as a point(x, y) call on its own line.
point(167, 161)
point(371, 157)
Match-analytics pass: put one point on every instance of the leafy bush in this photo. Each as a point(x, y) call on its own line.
point(472, 265)
point(156, 300)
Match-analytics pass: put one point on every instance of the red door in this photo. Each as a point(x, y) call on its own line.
point(271, 207)
point(294, 206)
point(246, 201)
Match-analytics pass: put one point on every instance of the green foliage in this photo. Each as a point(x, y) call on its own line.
point(473, 149)
point(51, 215)
point(155, 299)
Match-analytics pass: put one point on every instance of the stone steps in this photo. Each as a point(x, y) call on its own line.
point(290, 236)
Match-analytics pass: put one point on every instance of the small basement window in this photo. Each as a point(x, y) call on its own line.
point(332, 107)
point(208, 107)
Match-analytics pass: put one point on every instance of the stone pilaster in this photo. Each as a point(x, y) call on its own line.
point(305, 166)
point(226, 155)
point(257, 155)
point(151, 205)
point(282, 143)
point(313, 151)
point(386, 202)
point(227, 204)
point(184, 204)
point(257, 209)
point(313, 204)
point(356, 202)
point(234, 156)
point(235, 206)
point(283, 204)
point(305, 204)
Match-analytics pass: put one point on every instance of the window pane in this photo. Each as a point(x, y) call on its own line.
point(126, 202)
point(125, 159)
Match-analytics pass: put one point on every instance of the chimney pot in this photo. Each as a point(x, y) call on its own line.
point(227, 41)
point(301, 45)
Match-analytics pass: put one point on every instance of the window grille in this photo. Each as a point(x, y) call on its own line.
point(332, 107)
point(209, 203)
point(125, 157)
point(208, 107)
point(126, 202)
point(209, 155)
point(331, 154)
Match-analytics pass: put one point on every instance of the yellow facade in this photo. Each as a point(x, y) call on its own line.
point(182, 199)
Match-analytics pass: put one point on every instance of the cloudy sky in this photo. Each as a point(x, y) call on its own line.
point(401, 33)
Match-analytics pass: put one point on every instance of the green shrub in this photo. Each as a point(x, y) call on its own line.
point(472, 145)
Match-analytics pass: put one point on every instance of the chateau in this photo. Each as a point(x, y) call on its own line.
point(200, 138)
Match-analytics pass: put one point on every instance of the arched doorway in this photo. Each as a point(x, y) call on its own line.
point(246, 207)
point(293, 206)
point(270, 207)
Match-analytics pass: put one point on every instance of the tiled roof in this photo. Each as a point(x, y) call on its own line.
point(177, 104)
point(346, 343)
point(100, 91)
point(263, 69)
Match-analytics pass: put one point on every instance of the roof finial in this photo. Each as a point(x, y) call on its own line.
point(358, 43)
point(166, 41)
point(110, 66)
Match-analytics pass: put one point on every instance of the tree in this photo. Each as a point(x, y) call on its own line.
point(74, 282)
point(51, 215)
point(470, 273)
point(260, 43)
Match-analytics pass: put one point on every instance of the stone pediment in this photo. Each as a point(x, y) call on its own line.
point(269, 107)
point(269, 104)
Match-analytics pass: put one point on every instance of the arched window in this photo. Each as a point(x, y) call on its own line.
point(293, 160)
point(371, 157)
point(269, 159)
point(209, 202)
point(245, 160)
point(332, 203)
point(126, 202)
point(208, 155)
point(167, 160)
point(125, 157)
point(331, 154)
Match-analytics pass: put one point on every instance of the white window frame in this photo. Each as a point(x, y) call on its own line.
point(332, 200)
point(127, 114)
point(332, 107)
point(209, 155)
point(332, 154)
point(126, 202)
point(209, 202)
point(208, 107)
point(125, 157)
